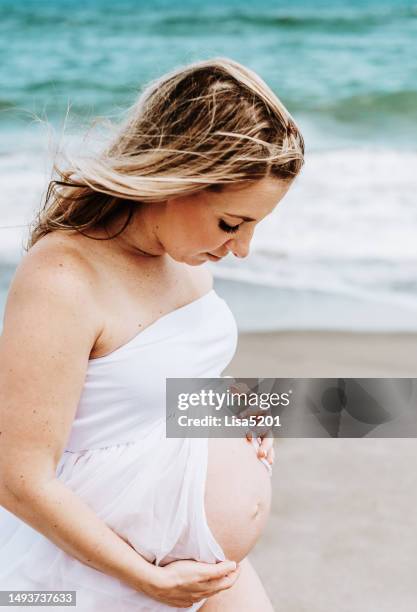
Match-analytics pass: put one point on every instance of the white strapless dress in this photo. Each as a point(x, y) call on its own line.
point(148, 488)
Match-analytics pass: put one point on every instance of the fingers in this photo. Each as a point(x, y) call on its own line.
point(265, 444)
point(211, 587)
point(194, 580)
point(265, 441)
point(213, 571)
point(255, 413)
point(271, 456)
point(266, 449)
point(256, 416)
point(224, 583)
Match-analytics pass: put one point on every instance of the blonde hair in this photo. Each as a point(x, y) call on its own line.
point(205, 125)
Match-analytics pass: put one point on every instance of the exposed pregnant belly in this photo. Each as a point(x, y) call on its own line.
point(237, 496)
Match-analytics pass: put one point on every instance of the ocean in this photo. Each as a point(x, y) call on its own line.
point(340, 251)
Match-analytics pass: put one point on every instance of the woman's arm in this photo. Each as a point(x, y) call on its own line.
point(51, 323)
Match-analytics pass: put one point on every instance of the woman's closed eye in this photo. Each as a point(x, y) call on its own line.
point(228, 228)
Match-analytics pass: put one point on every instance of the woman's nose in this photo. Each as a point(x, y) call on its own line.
point(240, 250)
point(239, 246)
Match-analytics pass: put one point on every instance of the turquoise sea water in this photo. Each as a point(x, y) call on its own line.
point(346, 70)
point(352, 63)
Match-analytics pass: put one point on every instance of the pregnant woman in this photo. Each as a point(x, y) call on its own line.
point(110, 299)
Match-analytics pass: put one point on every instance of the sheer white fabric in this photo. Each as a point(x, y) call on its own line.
point(148, 488)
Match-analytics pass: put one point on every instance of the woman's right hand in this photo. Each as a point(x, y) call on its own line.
point(183, 583)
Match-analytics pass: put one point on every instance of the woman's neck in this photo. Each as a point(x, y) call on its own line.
point(139, 236)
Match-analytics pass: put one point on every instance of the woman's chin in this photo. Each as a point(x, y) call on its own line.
point(192, 260)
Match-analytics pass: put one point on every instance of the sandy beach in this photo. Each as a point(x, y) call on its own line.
point(325, 354)
point(342, 530)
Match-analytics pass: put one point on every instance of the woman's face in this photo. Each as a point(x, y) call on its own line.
point(207, 226)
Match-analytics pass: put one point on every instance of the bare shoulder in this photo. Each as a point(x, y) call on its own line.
point(58, 252)
point(57, 259)
point(53, 276)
